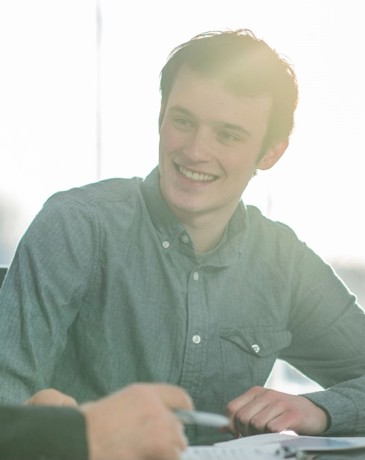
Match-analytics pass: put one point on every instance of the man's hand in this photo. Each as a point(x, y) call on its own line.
point(137, 423)
point(261, 410)
point(51, 397)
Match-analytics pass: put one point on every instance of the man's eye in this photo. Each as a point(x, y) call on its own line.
point(183, 123)
point(227, 136)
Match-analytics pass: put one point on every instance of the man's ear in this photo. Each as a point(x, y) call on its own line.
point(273, 154)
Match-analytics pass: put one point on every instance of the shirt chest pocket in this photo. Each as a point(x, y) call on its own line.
point(248, 355)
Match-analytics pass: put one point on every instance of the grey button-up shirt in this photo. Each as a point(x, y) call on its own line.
point(106, 289)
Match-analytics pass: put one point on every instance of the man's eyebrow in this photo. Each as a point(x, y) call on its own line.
point(217, 125)
point(233, 127)
point(182, 110)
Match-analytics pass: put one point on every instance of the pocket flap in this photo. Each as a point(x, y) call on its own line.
point(259, 341)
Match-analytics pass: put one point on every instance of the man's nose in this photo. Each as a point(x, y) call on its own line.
point(198, 148)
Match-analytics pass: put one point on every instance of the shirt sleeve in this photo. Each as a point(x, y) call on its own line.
point(34, 432)
point(328, 345)
point(44, 289)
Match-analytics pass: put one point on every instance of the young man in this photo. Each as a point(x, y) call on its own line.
point(134, 423)
point(174, 279)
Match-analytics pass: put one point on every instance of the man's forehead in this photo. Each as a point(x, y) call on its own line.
point(199, 94)
point(187, 79)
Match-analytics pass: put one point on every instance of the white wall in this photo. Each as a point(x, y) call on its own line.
point(55, 82)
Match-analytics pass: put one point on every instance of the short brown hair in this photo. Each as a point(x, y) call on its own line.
point(247, 66)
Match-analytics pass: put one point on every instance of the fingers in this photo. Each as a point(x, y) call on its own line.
point(175, 441)
point(241, 410)
point(257, 419)
point(166, 426)
point(51, 397)
point(137, 422)
point(262, 410)
point(163, 439)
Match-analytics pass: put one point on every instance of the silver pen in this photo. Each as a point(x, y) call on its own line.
point(193, 417)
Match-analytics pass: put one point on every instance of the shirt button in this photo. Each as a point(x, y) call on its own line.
point(255, 348)
point(196, 339)
point(185, 238)
point(165, 244)
point(195, 276)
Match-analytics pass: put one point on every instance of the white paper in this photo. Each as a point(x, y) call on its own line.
point(307, 443)
point(270, 446)
point(267, 452)
point(259, 439)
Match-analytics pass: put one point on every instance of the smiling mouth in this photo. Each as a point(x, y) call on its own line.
point(195, 176)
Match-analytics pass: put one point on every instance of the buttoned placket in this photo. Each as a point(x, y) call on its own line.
point(196, 323)
point(195, 347)
point(195, 342)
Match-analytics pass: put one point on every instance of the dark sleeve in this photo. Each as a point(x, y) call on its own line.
point(49, 433)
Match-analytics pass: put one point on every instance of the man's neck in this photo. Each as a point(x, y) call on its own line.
point(206, 231)
point(204, 239)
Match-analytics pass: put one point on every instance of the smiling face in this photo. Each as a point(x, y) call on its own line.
point(210, 143)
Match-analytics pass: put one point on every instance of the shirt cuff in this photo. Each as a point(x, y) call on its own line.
point(341, 410)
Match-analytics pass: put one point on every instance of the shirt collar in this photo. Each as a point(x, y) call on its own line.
point(162, 217)
point(165, 221)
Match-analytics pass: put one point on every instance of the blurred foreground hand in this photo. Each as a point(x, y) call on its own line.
point(137, 423)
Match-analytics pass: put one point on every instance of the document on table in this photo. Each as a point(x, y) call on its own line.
point(271, 446)
point(231, 453)
point(260, 447)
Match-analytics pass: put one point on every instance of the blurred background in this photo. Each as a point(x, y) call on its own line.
point(79, 102)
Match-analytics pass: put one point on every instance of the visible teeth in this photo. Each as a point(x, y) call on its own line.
point(195, 176)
